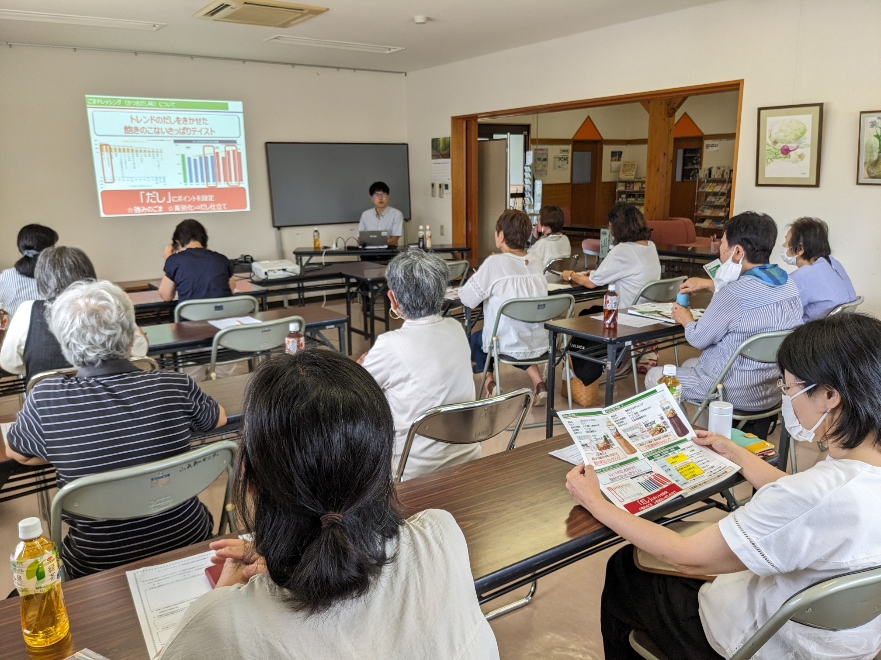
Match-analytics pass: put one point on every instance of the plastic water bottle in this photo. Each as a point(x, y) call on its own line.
point(295, 341)
point(316, 240)
point(669, 379)
point(36, 574)
point(610, 308)
point(720, 418)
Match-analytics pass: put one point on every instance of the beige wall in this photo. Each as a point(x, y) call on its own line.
point(786, 51)
point(47, 176)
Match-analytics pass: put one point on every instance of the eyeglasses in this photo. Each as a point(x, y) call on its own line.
point(380, 194)
point(785, 387)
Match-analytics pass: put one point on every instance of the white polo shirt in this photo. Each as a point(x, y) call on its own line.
point(391, 220)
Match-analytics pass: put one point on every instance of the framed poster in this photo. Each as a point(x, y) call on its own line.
point(869, 163)
point(789, 142)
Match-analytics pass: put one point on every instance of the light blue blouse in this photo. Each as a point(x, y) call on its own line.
point(822, 287)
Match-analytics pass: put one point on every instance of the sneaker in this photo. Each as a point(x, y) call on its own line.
point(541, 395)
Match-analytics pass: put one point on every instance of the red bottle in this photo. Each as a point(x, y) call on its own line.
point(610, 308)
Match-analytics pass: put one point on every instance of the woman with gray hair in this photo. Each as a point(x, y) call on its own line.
point(29, 347)
point(426, 363)
point(115, 416)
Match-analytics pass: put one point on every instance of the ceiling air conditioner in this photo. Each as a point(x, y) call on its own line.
point(266, 13)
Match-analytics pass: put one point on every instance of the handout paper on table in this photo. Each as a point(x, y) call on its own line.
point(558, 286)
point(452, 293)
point(570, 454)
point(4, 429)
point(642, 451)
point(662, 312)
point(632, 321)
point(220, 324)
point(163, 593)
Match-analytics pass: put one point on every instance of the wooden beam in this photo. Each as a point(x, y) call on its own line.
point(458, 173)
point(674, 104)
point(471, 199)
point(659, 158)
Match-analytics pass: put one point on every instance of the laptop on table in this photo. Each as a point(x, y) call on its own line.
point(373, 239)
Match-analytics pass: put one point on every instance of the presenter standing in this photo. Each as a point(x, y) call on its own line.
point(382, 217)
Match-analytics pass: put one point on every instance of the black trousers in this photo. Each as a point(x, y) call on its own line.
point(661, 606)
point(586, 372)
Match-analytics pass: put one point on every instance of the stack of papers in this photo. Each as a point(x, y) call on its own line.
point(632, 321)
point(660, 312)
point(452, 293)
point(220, 324)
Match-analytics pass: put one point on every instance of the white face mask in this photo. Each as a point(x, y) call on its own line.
point(728, 272)
point(796, 430)
point(784, 256)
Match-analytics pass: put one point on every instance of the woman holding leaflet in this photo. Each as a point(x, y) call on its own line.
point(797, 529)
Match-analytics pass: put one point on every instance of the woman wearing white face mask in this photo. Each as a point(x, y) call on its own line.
point(822, 281)
point(751, 296)
point(797, 529)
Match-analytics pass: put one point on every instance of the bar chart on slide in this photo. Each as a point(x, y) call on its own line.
point(161, 156)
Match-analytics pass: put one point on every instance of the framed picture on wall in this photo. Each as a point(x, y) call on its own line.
point(869, 163)
point(789, 142)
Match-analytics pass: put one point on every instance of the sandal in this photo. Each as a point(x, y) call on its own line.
point(489, 387)
point(541, 395)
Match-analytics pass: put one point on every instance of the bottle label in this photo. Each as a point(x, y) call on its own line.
point(611, 302)
point(37, 575)
point(676, 391)
point(294, 344)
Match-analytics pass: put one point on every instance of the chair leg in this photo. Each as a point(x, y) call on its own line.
point(635, 374)
point(676, 353)
point(792, 443)
point(44, 504)
point(569, 380)
point(516, 605)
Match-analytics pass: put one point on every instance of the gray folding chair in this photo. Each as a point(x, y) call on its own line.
point(656, 291)
point(558, 265)
point(146, 490)
point(530, 310)
point(844, 602)
point(469, 423)
point(215, 308)
point(143, 363)
point(253, 338)
point(457, 272)
point(848, 307)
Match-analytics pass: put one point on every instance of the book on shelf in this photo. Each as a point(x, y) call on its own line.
point(642, 451)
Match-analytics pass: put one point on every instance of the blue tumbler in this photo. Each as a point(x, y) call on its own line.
point(682, 299)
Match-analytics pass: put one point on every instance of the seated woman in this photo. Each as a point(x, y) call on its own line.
point(29, 347)
point(332, 571)
point(426, 363)
point(110, 416)
point(551, 242)
point(797, 529)
point(822, 281)
point(17, 284)
point(192, 271)
point(632, 263)
point(500, 278)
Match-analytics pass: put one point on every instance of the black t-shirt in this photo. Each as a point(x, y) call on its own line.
point(199, 273)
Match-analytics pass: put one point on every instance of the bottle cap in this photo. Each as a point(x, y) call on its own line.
point(420, 227)
point(721, 408)
point(294, 327)
point(30, 528)
point(611, 287)
point(669, 370)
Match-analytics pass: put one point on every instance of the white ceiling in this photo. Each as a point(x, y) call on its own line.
point(457, 30)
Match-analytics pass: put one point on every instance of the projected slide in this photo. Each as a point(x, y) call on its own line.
point(158, 156)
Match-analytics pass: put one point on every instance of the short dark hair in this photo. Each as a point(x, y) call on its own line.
point(628, 224)
point(189, 230)
point(515, 227)
point(812, 236)
point(33, 239)
point(379, 186)
point(552, 217)
point(815, 353)
point(755, 232)
point(59, 267)
point(317, 439)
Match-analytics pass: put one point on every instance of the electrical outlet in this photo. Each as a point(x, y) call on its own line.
point(442, 230)
point(440, 191)
point(433, 189)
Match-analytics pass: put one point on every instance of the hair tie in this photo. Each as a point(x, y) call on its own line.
point(31, 253)
point(331, 518)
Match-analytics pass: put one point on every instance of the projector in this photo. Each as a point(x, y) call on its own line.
point(274, 270)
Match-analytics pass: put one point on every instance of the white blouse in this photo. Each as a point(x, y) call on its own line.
point(629, 266)
point(500, 278)
point(545, 250)
point(426, 363)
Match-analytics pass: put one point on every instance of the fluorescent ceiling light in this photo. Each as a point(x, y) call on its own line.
point(68, 19)
point(326, 43)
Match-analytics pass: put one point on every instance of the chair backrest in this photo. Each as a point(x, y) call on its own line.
point(145, 363)
point(560, 264)
point(457, 271)
point(471, 422)
point(839, 603)
point(848, 307)
point(253, 337)
point(142, 490)
point(215, 308)
point(536, 310)
point(43, 375)
point(660, 290)
point(687, 228)
point(762, 347)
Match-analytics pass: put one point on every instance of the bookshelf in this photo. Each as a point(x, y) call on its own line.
point(631, 191)
point(712, 204)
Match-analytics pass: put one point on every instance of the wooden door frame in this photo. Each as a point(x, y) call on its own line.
point(463, 129)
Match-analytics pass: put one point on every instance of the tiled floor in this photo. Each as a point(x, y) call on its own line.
point(563, 619)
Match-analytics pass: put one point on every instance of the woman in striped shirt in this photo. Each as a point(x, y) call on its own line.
point(17, 284)
point(111, 416)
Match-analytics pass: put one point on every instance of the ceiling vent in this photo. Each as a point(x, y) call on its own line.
point(266, 13)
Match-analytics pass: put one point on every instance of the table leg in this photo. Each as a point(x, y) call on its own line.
point(342, 337)
point(552, 358)
point(611, 355)
point(349, 313)
point(467, 320)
